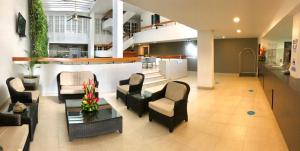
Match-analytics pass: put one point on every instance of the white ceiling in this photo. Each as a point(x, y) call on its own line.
point(83, 6)
point(103, 6)
point(282, 31)
point(217, 15)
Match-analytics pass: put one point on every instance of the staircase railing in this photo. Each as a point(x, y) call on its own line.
point(157, 25)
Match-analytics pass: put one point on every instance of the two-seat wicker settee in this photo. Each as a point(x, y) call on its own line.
point(70, 84)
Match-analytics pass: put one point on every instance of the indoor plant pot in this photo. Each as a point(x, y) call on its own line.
point(32, 81)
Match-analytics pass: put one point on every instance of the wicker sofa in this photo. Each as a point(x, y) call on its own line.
point(70, 84)
point(132, 85)
point(13, 135)
point(169, 106)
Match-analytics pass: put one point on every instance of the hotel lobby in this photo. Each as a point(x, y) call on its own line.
point(131, 75)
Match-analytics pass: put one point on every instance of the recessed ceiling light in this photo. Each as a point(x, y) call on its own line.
point(238, 31)
point(236, 19)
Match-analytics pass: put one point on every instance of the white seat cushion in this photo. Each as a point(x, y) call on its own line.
point(34, 95)
point(71, 89)
point(123, 88)
point(135, 79)
point(164, 106)
point(175, 91)
point(17, 84)
point(13, 138)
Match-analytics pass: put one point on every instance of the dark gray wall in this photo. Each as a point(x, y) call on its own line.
point(227, 54)
point(174, 48)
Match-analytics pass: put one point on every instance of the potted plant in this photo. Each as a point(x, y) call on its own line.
point(31, 79)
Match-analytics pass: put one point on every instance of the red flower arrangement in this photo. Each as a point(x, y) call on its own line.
point(90, 100)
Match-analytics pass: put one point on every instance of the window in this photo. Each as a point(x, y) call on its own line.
point(80, 25)
point(97, 25)
point(62, 24)
point(50, 24)
point(74, 24)
point(56, 23)
point(69, 26)
point(85, 26)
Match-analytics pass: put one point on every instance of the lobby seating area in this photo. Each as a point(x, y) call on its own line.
point(142, 75)
point(224, 108)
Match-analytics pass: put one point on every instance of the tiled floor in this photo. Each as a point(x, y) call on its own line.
point(218, 120)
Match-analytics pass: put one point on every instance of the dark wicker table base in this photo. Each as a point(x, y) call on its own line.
point(94, 129)
point(138, 104)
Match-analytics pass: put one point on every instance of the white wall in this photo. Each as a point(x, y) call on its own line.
point(108, 75)
point(10, 43)
point(174, 31)
point(146, 18)
point(173, 68)
point(295, 57)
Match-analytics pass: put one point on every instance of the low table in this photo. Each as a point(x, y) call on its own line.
point(29, 116)
point(82, 124)
point(139, 102)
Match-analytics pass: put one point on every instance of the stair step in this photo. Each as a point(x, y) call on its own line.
point(153, 89)
point(149, 74)
point(155, 83)
point(154, 77)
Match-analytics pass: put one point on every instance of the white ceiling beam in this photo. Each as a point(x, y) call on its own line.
point(69, 1)
point(84, 6)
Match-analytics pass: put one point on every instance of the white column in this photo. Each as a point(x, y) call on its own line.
point(91, 43)
point(295, 58)
point(205, 65)
point(117, 44)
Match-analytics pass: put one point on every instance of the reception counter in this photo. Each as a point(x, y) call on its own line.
point(283, 94)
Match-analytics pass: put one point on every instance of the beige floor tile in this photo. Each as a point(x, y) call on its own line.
point(218, 120)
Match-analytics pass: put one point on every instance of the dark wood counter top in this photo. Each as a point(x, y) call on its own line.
point(287, 79)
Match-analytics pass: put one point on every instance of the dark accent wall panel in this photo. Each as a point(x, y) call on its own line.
point(175, 48)
point(227, 53)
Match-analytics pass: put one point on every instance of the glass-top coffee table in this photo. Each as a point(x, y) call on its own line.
point(82, 124)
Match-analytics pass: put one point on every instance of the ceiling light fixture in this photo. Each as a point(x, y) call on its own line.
point(236, 19)
point(238, 31)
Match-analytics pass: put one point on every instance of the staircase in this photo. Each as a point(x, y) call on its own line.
point(107, 24)
point(154, 81)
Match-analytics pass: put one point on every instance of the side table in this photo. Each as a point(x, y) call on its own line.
point(138, 102)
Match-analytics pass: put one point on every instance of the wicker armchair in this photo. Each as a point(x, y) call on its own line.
point(20, 93)
point(169, 106)
point(132, 85)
